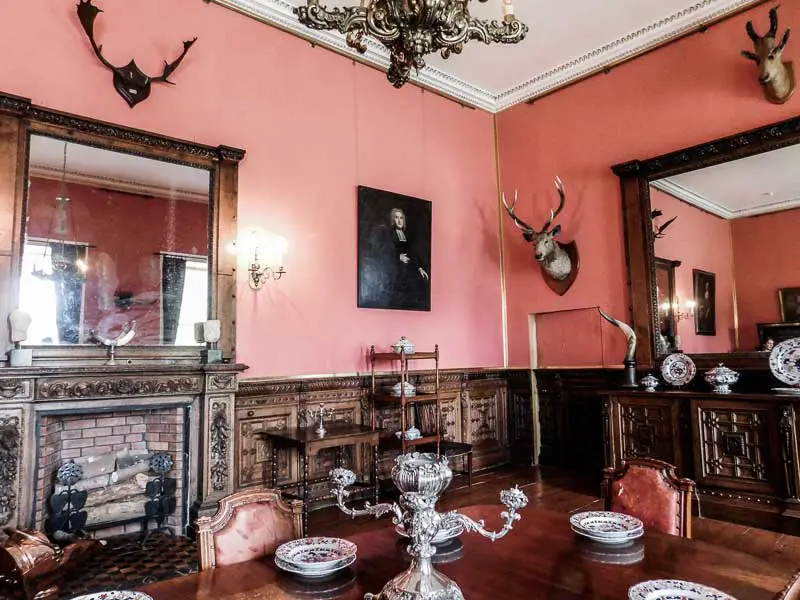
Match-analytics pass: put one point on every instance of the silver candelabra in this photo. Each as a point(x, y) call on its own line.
point(421, 478)
point(320, 414)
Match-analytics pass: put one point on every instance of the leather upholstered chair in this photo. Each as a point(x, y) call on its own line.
point(248, 524)
point(649, 490)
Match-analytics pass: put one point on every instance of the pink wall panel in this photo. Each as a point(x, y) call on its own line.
point(702, 241)
point(761, 270)
point(689, 92)
point(315, 126)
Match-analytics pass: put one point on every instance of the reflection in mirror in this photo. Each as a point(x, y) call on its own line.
point(111, 238)
point(737, 237)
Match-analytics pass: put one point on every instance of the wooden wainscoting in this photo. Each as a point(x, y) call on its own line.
point(475, 409)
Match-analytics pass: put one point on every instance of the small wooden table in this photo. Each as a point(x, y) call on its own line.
point(308, 443)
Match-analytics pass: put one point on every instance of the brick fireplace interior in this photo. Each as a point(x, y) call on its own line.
point(110, 434)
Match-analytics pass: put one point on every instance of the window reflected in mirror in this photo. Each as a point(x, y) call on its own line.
point(111, 238)
point(735, 228)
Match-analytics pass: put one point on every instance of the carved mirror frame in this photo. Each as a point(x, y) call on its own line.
point(635, 177)
point(19, 119)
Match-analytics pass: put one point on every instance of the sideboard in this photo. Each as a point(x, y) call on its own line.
point(741, 448)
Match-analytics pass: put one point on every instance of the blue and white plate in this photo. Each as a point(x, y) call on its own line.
point(115, 595)
point(664, 589)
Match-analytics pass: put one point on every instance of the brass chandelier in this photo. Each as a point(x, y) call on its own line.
point(410, 29)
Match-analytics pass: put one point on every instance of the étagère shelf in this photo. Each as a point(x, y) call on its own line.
point(408, 401)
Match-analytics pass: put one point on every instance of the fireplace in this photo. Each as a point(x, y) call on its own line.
point(114, 450)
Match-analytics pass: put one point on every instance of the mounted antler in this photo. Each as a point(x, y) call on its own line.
point(659, 230)
point(130, 81)
point(559, 263)
point(776, 76)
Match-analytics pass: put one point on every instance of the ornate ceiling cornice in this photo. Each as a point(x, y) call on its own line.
point(279, 13)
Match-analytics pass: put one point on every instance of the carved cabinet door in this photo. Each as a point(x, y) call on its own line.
point(737, 446)
point(483, 423)
point(253, 454)
point(645, 427)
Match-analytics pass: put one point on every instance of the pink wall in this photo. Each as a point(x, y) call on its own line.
point(689, 92)
point(315, 125)
point(761, 271)
point(128, 231)
point(702, 241)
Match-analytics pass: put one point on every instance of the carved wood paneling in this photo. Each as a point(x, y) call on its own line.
point(736, 446)
point(111, 387)
point(254, 455)
point(647, 428)
point(483, 423)
point(11, 438)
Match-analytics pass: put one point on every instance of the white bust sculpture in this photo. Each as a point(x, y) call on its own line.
point(19, 321)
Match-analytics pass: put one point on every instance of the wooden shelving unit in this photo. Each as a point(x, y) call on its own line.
point(406, 403)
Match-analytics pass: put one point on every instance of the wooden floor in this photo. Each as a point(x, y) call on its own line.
point(567, 493)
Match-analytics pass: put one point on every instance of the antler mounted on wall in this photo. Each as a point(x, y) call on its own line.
point(659, 231)
point(130, 81)
point(559, 262)
point(775, 75)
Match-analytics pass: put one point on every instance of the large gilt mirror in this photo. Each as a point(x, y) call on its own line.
point(725, 216)
point(102, 226)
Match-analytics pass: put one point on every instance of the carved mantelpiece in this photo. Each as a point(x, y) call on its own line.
point(28, 394)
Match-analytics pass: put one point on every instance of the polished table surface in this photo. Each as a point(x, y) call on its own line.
point(540, 558)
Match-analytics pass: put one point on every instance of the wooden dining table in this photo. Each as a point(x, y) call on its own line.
point(540, 558)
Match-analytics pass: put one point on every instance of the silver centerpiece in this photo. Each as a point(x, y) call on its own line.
point(650, 383)
point(421, 478)
point(721, 378)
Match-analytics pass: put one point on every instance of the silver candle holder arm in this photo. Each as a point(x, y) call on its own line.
point(513, 499)
point(342, 478)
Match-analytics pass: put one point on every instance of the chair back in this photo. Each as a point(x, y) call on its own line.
point(792, 589)
point(248, 524)
point(649, 490)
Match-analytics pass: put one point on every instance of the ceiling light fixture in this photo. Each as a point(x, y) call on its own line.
point(410, 29)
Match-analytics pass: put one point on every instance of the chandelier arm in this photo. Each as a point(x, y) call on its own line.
point(505, 32)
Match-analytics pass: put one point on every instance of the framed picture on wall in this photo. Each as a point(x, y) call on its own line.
point(705, 298)
point(790, 304)
point(394, 251)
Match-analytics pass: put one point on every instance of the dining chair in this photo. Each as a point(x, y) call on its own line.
point(649, 490)
point(248, 524)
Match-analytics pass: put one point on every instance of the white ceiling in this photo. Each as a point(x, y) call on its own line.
point(114, 170)
point(568, 39)
point(759, 184)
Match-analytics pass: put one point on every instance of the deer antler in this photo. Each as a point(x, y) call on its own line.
point(129, 80)
point(169, 68)
point(554, 214)
point(87, 13)
point(773, 22)
point(522, 225)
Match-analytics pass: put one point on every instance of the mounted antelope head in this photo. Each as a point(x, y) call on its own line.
point(559, 262)
point(776, 76)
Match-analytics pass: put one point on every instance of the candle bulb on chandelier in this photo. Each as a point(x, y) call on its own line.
point(508, 10)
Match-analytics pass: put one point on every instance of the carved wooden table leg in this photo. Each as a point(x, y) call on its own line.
point(305, 493)
point(375, 483)
point(274, 466)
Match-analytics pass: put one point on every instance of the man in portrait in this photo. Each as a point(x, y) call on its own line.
point(393, 251)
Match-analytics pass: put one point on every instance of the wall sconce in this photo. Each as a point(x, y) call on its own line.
point(268, 251)
point(680, 315)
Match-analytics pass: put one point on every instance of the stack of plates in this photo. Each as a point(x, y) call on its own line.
point(607, 527)
point(445, 534)
point(658, 589)
point(315, 557)
point(115, 595)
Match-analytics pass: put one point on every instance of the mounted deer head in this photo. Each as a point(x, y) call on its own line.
point(775, 76)
point(130, 81)
point(558, 262)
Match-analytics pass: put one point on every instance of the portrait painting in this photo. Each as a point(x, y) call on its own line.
point(394, 251)
point(705, 290)
point(790, 304)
